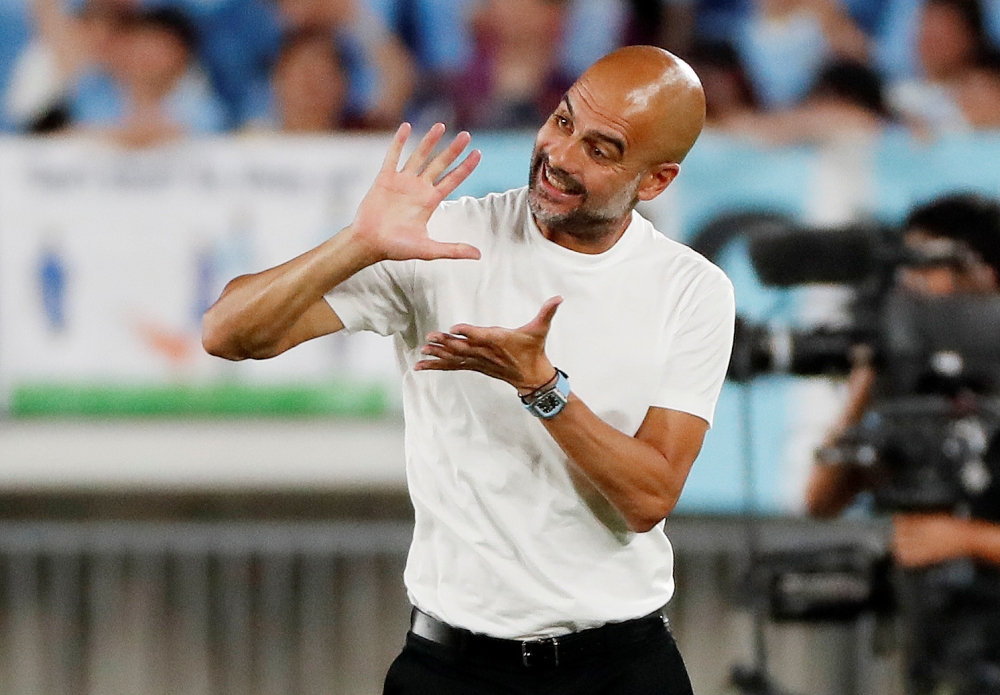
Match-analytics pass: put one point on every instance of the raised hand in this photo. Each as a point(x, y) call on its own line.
point(514, 355)
point(392, 219)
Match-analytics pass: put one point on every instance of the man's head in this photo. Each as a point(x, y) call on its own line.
point(296, 15)
point(309, 83)
point(528, 24)
point(951, 35)
point(155, 48)
point(978, 93)
point(964, 230)
point(850, 83)
point(728, 90)
point(617, 137)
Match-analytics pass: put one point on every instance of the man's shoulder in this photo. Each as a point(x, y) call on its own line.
point(685, 263)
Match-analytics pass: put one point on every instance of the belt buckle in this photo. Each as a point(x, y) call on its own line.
point(537, 652)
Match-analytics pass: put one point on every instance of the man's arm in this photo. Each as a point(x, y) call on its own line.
point(920, 540)
point(831, 488)
point(641, 476)
point(263, 314)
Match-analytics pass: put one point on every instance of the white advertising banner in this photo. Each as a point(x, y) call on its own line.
point(109, 258)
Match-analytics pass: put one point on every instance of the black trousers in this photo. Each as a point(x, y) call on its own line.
point(650, 667)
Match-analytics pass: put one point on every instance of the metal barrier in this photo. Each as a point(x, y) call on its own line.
point(271, 609)
point(296, 608)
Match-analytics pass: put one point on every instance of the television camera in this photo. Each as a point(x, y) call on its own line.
point(923, 444)
point(923, 441)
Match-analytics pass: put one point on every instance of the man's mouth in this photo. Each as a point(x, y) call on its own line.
point(558, 186)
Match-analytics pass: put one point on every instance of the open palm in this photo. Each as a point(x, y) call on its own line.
point(514, 355)
point(392, 218)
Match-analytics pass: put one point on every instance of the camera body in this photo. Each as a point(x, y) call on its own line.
point(923, 444)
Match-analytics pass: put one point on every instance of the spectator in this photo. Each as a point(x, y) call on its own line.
point(978, 93)
point(152, 90)
point(381, 73)
point(728, 92)
point(239, 41)
point(439, 32)
point(515, 77)
point(64, 48)
point(668, 24)
point(845, 103)
point(15, 34)
point(895, 38)
point(785, 43)
point(310, 87)
point(950, 43)
point(436, 32)
point(590, 30)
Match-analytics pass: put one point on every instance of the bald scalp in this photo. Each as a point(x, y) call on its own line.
point(657, 93)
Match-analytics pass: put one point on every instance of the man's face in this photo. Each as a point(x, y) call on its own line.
point(978, 95)
point(970, 275)
point(151, 55)
point(300, 14)
point(945, 43)
point(585, 173)
point(522, 22)
point(310, 87)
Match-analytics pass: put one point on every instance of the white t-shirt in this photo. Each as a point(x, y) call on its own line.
point(506, 541)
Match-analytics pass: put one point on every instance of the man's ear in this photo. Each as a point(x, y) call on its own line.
point(656, 180)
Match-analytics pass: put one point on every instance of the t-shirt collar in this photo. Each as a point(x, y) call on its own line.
point(620, 248)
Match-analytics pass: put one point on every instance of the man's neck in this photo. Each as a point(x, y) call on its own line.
point(590, 243)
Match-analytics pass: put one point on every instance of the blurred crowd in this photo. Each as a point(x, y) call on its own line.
point(781, 71)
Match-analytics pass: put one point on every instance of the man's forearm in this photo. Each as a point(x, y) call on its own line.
point(634, 476)
point(983, 541)
point(263, 314)
point(256, 312)
point(641, 476)
point(831, 489)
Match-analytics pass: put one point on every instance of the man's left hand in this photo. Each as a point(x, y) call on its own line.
point(920, 540)
point(514, 355)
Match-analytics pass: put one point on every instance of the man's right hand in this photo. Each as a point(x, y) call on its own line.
point(263, 314)
point(391, 222)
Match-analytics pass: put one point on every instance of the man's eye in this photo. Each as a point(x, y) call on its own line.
point(562, 121)
point(598, 153)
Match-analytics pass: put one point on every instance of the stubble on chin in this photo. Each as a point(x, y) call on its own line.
point(579, 223)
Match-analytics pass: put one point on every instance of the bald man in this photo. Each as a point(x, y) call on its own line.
point(539, 560)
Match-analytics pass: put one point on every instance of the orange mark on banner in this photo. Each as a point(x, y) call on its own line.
point(175, 345)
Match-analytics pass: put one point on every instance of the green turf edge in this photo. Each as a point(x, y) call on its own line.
point(340, 398)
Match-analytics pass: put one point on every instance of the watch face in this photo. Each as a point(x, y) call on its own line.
point(550, 402)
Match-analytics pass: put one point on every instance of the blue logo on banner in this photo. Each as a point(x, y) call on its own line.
point(52, 285)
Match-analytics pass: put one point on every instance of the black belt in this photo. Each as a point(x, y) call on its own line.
point(552, 651)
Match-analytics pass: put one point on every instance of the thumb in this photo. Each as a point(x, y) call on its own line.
point(543, 321)
point(433, 250)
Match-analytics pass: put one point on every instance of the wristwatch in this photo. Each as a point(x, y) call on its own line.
point(548, 401)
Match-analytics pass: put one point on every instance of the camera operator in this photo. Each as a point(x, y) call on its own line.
point(927, 546)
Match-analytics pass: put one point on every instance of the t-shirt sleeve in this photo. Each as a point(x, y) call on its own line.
point(699, 353)
point(376, 299)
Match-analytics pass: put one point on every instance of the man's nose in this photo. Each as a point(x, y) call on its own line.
point(562, 155)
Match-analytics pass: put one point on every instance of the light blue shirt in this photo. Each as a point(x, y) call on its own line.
point(97, 100)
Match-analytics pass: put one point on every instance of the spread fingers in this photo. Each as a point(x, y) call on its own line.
point(447, 157)
point(416, 160)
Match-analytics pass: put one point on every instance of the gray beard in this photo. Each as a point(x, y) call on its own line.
point(579, 224)
point(584, 225)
